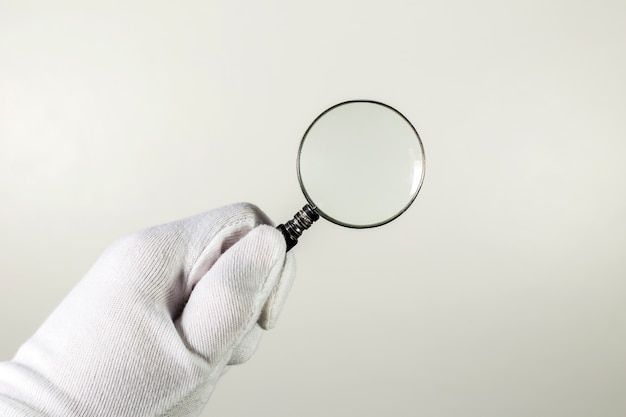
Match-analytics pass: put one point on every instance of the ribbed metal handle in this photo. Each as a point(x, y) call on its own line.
point(294, 228)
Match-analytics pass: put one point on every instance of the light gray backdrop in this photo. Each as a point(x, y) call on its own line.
point(501, 292)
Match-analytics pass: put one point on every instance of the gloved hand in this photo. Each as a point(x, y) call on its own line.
point(155, 322)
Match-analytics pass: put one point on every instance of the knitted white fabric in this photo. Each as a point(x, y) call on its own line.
point(155, 322)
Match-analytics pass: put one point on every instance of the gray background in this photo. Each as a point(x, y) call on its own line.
point(499, 293)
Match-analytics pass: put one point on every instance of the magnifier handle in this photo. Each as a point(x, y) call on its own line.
point(301, 221)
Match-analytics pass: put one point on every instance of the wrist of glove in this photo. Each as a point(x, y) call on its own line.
point(156, 321)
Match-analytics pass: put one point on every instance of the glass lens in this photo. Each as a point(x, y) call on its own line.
point(361, 164)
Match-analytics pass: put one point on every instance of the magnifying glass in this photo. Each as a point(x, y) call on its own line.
point(360, 164)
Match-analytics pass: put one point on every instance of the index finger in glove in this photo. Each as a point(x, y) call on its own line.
point(229, 299)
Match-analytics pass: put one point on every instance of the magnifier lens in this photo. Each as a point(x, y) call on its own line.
point(361, 164)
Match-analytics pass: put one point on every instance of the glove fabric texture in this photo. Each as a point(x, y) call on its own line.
point(155, 322)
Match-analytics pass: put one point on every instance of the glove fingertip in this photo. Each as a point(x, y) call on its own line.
point(278, 297)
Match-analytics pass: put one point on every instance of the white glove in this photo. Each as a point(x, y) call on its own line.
point(155, 322)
